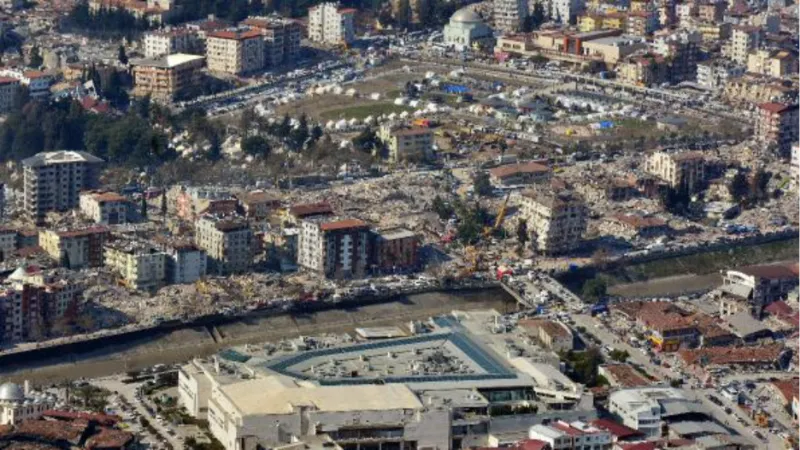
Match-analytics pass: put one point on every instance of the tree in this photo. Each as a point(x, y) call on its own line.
point(35, 59)
point(738, 188)
point(255, 146)
point(403, 14)
point(594, 290)
point(619, 355)
point(144, 208)
point(300, 133)
point(758, 186)
point(522, 232)
point(121, 56)
point(316, 133)
point(600, 257)
point(284, 128)
point(442, 208)
point(164, 204)
point(481, 184)
point(366, 141)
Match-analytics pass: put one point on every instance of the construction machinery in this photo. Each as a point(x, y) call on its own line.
point(498, 222)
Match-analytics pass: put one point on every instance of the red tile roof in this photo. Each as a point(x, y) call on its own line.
point(8, 80)
point(109, 438)
point(771, 271)
point(788, 389)
point(775, 108)
point(514, 169)
point(109, 197)
point(626, 375)
point(228, 34)
point(310, 209)
point(531, 444)
point(779, 308)
point(343, 225)
point(765, 354)
point(553, 329)
point(347, 11)
point(617, 429)
point(102, 419)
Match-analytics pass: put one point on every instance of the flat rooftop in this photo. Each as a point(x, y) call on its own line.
point(169, 61)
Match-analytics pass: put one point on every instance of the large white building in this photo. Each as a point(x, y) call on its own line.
point(465, 29)
point(140, 265)
point(38, 83)
point(168, 42)
point(53, 180)
point(714, 75)
point(18, 404)
point(645, 409)
point(328, 23)
point(743, 40)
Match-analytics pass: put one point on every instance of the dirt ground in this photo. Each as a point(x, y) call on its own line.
point(666, 287)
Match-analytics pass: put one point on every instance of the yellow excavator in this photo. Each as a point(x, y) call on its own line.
point(498, 222)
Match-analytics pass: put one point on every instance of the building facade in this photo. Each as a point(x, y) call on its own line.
point(334, 247)
point(227, 241)
point(744, 39)
point(330, 24)
point(235, 52)
point(53, 181)
point(397, 249)
point(772, 63)
point(679, 170)
point(168, 42)
point(75, 249)
point(141, 266)
point(407, 143)
point(281, 39)
point(9, 90)
point(168, 77)
point(186, 263)
point(714, 75)
point(777, 125)
point(18, 404)
point(509, 15)
point(105, 208)
point(557, 220)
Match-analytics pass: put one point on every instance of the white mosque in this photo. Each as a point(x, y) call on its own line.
point(465, 29)
point(18, 404)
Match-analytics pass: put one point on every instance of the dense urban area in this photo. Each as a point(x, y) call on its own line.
point(399, 224)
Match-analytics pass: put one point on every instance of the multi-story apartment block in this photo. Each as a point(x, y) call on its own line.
point(407, 143)
point(166, 78)
point(566, 11)
point(186, 263)
point(168, 42)
point(685, 170)
point(31, 302)
point(396, 249)
point(330, 24)
point(773, 63)
point(235, 52)
point(554, 335)
point(646, 70)
point(9, 89)
point(37, 83)
point(412, 13)
point(556, 219)
point(75, 249)
point(760, 285)
point(682, 49)
point(795, 164)
point(227, 241)
point(53, 181)
point(711, 12)
point(334, 247)
point(744, 39)
point(643, 409)
point(777, 125)
point(8, 242)
point(281, 39)
point(641, 23)
point(105, 208)
point(509, 15)
point(141, 266)
point(714, 75)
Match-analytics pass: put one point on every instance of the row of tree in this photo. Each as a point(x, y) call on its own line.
point(104, 23)
point(37, 127)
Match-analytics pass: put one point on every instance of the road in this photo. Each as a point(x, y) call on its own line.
point(128, 392)
point(602, 333)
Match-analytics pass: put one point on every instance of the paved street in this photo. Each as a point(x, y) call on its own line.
point(128, 392)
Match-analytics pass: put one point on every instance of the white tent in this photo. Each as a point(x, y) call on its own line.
point(404, 114)
point(353, 122)
point(369, 120)
point(330, 124)
point(419, 113)
point(350, 92)
point(338, 90)
point(400, 101)
point(375, 96)
point(392, 116)
point(341, 125)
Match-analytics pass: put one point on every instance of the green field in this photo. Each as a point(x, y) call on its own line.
point(363, 111)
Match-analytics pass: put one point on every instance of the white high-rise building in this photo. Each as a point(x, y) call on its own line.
point(330, 24)
point(509, 15)
point(53, 180)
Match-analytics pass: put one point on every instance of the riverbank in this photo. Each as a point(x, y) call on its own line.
point(183, 344)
